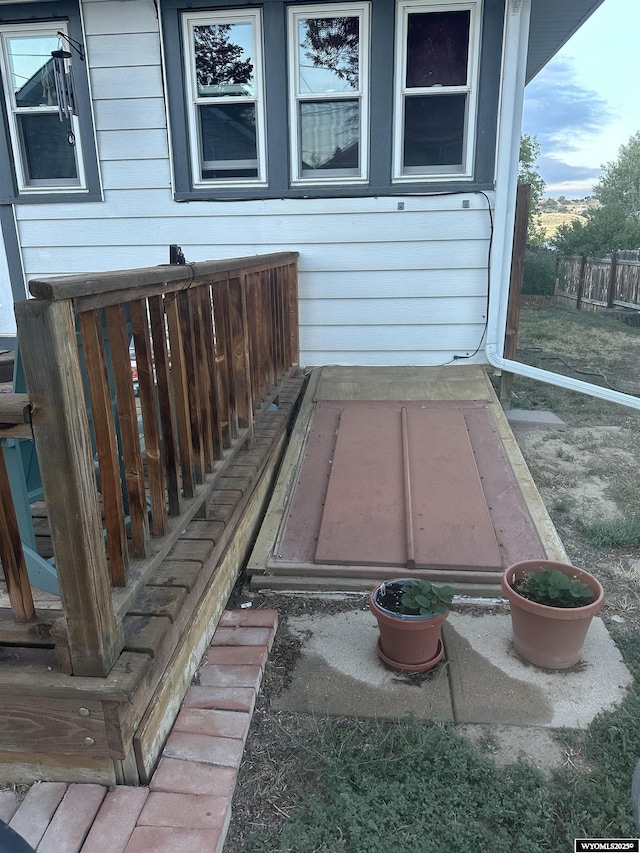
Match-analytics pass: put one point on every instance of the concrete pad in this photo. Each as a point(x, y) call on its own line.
point(340, 674)
point(534, 417)
point(490, 684)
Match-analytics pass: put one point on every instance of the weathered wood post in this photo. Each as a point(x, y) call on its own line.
point(516, 279)
point(49, 350)
point(581, 278)
point(611, 283)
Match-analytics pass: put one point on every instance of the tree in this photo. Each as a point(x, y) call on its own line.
point(608, 229)
point(528, 174)
point(334, 43)
point(218, 61)
point(620, 183)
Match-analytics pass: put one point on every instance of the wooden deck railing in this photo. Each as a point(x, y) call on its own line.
point(125, 461)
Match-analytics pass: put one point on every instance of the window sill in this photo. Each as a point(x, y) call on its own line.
point(351, 191)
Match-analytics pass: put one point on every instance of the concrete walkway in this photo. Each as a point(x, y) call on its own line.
point(481, 684)
point(187, 806)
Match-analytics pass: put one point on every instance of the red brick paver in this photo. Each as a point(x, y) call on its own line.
point(73, 818)
point(207, 721)
point(187, 806)
point(241, 655)
point(169, 839)
point(8, 805)
point(191, 811)
point(231, 676)
point(116, 820)
point(238, 636)
point(224, 698)
point(36, 810)
point(193, 777)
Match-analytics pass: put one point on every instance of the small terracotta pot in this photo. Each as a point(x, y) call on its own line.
point(407, 643)
point(550, 637)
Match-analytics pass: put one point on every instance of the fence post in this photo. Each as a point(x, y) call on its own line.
point(581, 277)
point(49, 352)
point(516, 279)
point(611, 284)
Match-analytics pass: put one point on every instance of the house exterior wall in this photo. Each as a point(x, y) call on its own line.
point(398, 279)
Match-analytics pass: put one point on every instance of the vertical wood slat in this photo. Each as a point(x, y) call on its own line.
point(148, 404)
point(611, 281)
point(181, 394)
point(282, 321)
point(13, 563)
point(106, 444)
point(129, 434)
point(226, 397)
point(259, 320)
point(165, 401)
point(279, 324)
point(50, 355)
point(272, 327)
point(240, 346)
point(293, 325)
point(187, 330)
point(202, 378)
point(210, 365)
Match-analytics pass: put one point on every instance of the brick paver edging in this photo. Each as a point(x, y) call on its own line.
point(187, 806)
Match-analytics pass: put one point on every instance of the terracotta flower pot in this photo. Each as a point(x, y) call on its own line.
point(407, 643)
point(550, 637)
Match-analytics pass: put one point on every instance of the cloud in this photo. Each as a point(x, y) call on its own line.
point(564, 115)
point(555, 171)
point(560, 111)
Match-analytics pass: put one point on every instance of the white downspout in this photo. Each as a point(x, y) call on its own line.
point(514, 61)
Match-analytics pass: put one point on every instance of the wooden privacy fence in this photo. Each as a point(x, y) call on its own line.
point(596, 283)
point(125, 460)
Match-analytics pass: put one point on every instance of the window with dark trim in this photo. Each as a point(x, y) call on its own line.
point(332, 99)
point(44, 155)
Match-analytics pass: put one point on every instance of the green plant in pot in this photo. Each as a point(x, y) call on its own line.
point(552, 605)
point(410, 613)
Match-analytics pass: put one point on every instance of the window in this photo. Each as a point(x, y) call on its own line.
point(226, 116)
point(44, 157)
point(45, 150)
point(436, 86)
point(329, 63)
point(293, 98)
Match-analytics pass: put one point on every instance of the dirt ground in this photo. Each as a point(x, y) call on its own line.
point(586, 474)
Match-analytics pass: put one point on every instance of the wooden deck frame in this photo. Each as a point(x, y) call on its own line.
point(153, 483)
point(111, 730)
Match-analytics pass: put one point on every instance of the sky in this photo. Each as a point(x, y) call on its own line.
point(585, 103)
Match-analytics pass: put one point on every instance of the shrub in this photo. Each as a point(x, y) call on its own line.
point(539, 271)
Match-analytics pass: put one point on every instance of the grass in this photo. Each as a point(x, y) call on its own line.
point(420, 787)
point(613, 532)
point(585, 345)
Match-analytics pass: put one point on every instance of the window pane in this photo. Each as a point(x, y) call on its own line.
point(48, 154)
point(330, 134)
point(438, 48)
point(228, 139)
point(434, 128)
point(224, 63)
point(31, 68)
point(328, 54)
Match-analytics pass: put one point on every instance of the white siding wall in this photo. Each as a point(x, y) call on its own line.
point(378, 285)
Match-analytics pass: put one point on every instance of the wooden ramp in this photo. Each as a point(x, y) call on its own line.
point(396, 470)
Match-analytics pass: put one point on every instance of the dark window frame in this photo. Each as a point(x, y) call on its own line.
point(383, 23)
point(67, 12)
